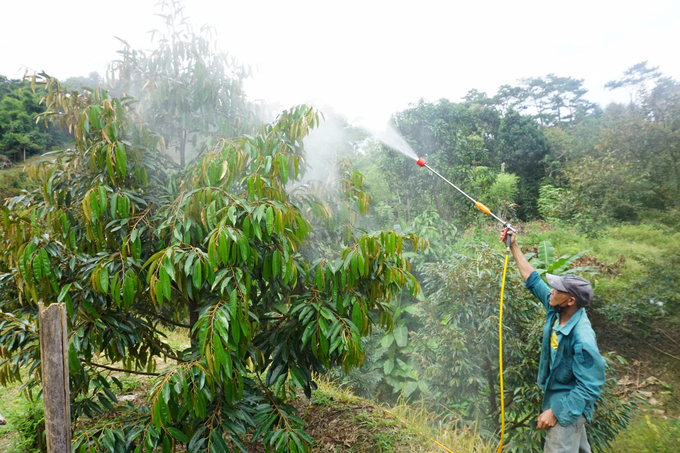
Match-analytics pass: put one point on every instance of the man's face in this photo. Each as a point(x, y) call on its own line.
point(558, 297)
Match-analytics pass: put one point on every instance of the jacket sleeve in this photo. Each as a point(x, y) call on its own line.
point(539, 289)
point(588, 367)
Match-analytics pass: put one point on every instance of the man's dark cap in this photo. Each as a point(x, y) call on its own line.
point(578, 287)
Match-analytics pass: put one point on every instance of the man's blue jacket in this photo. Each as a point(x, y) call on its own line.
point(573, 383)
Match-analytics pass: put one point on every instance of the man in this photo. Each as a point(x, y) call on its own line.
point(571, 370)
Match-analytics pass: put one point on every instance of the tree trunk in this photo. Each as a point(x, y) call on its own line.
point(182, 148)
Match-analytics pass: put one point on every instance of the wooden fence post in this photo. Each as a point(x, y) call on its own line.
point(54, 359)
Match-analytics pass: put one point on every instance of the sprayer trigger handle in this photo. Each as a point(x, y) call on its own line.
point(504, 234)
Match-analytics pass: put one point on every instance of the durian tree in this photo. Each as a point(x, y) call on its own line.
point(224, 248)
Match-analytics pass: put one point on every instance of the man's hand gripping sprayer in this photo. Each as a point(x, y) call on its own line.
point(505, 237)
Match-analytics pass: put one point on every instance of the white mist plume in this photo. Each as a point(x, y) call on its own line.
point(391, 138)
point(331, 140)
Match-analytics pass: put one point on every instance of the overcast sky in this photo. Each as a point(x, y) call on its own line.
point(367, 59)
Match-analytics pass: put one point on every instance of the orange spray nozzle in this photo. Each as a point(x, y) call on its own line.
point(482, 208)
point(421, 162)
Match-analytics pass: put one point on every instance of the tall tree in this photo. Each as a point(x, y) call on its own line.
point(524, 148)
point(635, 80)
point(189, 91)
point(553, 99)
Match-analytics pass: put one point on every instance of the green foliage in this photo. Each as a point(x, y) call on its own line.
point(11, 183)
point(501, 195)
point(632, 170)
point(549, 198)
point(29, 423)
point(457, 347)
point(189, 91)
point(130, 241)
point(544, 261)
point(471, 145)
point(389, 374)
point(20, 136)
point(523, 148)
point(649, 434)
point(647, 297)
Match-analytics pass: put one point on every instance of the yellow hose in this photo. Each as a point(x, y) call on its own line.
point(500, 351)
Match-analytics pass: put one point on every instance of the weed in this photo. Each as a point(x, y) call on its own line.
point(29, 423)
point(649, 434)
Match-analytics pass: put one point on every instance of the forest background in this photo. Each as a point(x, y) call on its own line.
point(598, 189)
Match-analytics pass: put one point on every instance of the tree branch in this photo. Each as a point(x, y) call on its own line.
point(170, 321)
point(520, 423)
point(99, 365)
point(174, 357)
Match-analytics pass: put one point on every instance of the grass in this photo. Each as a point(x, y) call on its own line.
point(337, 420)
point(10, 404)
point(633, 241)
point(374, 428)
point(15, 407)
point(623, 248)
point(649, 433)
point(14, 179)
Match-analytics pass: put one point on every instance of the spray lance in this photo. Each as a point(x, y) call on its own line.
point(505, 237)
point(506, 226)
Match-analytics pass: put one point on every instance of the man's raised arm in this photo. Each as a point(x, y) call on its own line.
point(525, 269)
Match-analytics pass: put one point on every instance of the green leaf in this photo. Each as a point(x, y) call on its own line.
point(90, 309)
point(358, 316)
point(283, 165)
point(546, 253)
point(388, 366)
point(246, 227)
point(128, 290)
point(401, 335)
point(177, 434)
point(121, 160)
point(104, 279)
point(223, 248)
point(270, 220)
point(318, 278)
point(276, 263)
point(267, 267)
point(409, 388)
point(37, 268)
point(243, 247)
point(114, 205)
point(136, 248)
point(387, 340)
point(164, 281)
point(73, 362)
point(64, 292)
point(45, 262)
point(197, 280)
point(562, 266)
